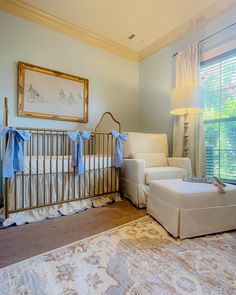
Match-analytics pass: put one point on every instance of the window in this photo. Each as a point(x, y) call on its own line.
point(218, 78)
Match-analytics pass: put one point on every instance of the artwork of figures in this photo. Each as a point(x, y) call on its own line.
point(44, 93)
point(71, 99)
point(33, 95)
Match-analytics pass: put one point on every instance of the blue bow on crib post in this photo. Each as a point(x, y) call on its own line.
point(119, 147)
point(14, 158)
point(77, 153)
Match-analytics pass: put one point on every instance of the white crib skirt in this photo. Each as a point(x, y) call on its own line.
point(50, 189)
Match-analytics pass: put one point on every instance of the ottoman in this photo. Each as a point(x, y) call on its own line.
point(188, 209)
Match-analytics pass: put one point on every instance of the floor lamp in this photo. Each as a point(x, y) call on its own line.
point(186, 100)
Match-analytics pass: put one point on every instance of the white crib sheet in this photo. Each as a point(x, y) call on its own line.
point(59, 164)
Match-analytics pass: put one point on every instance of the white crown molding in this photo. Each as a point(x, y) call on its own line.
point(192, 25)
point(25, 11)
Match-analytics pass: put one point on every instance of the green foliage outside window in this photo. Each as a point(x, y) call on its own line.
point(218, 78)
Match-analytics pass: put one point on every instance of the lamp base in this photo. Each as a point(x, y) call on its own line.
point(186, 136)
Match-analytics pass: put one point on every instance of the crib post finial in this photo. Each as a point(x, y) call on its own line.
point(6, 111)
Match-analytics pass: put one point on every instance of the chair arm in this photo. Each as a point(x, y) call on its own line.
point(184, 163)
point(133, 170)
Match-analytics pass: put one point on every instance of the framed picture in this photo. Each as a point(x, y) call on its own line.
point(49, 94)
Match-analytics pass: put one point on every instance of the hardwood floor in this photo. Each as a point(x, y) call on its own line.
point(21, 242)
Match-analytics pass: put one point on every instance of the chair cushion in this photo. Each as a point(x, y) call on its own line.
point(151, 159)
point(158, 173)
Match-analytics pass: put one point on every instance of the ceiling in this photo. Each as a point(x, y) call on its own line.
point(118, 19)
point(115, 20)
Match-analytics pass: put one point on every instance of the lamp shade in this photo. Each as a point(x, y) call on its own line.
point(187, 100)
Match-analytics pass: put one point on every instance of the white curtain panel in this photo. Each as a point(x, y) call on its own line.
point(187, 74)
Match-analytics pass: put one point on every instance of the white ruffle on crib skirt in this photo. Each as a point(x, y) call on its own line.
point(35, 215)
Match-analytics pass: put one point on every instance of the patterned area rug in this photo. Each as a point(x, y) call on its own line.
point(137, 258)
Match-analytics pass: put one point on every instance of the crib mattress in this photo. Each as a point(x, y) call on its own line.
point(59, 164)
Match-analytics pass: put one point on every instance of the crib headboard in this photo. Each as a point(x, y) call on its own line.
point(108, 123)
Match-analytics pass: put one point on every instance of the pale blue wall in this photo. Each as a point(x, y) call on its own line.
point(156, 79)
point(113, 80)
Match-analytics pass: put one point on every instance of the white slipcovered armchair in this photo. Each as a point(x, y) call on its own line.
point(146, 159)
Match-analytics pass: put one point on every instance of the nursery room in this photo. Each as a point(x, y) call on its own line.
point(117, 147)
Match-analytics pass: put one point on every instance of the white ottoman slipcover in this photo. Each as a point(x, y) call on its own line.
point(192, 209)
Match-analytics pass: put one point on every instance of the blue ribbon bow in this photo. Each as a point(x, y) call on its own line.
point(77, 153)
point(119, 147)
point(14, 158)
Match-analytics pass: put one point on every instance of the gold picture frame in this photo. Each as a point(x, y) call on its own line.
point(48, 94)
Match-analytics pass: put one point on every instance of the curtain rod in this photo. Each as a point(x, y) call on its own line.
point(212, 35)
